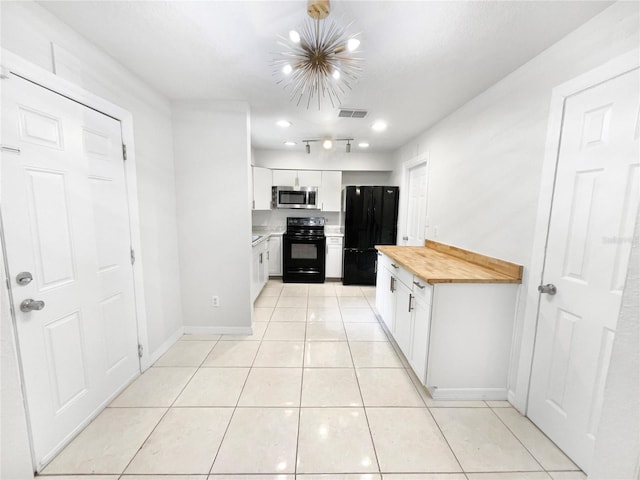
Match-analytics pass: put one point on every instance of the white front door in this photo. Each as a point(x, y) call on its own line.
point(595, 203)
point(66, 223)
point(416, 205)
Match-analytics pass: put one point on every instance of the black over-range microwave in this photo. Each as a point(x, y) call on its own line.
point(294, 197)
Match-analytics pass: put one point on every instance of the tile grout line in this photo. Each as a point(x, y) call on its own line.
point(304, 350)
point(364, 410)
point(168, 409)
point(235, 409)
point(520, 441)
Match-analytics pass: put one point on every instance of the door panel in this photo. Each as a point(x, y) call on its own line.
point(66, 220)
point(594, 204)
point(416, 205)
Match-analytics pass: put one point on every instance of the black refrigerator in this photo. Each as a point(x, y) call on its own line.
point(371, 218)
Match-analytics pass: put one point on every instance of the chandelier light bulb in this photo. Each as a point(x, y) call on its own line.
point(336, 74)
point(294, 36)
point(353, 44)
point(287, 69)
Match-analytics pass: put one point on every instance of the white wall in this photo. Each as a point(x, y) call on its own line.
point(28, 30)
point(213, 178)
point(617, 451)
point(486, 158)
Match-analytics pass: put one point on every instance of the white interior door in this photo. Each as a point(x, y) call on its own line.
point(66, 222)
point(416, 205)
point(595, 202)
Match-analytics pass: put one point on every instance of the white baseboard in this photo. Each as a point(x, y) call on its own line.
point(468, 393)
point(218, 330)
point(162, 349)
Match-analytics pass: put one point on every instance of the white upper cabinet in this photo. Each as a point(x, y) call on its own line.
point(297, 178)
point(331, 191)
point(261, 188)
point(309, 178)
point(284, 178)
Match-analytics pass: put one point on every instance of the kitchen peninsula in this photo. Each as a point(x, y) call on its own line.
point(451, 313)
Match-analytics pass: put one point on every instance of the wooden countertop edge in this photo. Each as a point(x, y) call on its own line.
point(495, 276)
point(501, 266)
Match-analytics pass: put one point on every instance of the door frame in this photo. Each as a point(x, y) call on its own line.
point(519, 396)
point(404, 192)
point(11, 63)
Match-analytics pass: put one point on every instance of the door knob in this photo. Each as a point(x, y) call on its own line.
point(24, 278)
point(549, 288)
point(30, 304)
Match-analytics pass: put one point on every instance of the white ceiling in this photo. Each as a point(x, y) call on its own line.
point(422, 59)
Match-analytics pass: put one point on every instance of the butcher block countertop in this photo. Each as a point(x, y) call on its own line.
point(440, 263)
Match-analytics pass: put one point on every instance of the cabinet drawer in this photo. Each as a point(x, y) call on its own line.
point(334, 240)
point(421, 289)
point(402, 275)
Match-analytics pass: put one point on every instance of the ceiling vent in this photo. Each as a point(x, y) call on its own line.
point(351, 113)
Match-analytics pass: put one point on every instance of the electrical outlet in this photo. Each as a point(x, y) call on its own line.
point(215, 301)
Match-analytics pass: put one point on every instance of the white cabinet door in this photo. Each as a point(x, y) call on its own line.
point(255, 272)
point(402, 331)
point(333, 262)
point(284, 178)
point(261, 188)
point(264, 265)
point(309, 178)
point(420, 317)
point(331, 191)
point(385, 296)
point(275, 255)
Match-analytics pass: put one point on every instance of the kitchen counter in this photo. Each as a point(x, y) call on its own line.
point(260, 234)
point(440, 263)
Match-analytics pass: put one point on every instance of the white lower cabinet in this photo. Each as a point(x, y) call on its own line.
point(402, 318)
point(275, 255)
point(333, 259)
point(385, 298)
point(456, 336)
point(259, 268)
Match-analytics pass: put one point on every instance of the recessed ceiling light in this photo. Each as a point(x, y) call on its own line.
point(283, 123)
point(379, 126)
point(363, 145)
point(290, 143)
point(327, 144)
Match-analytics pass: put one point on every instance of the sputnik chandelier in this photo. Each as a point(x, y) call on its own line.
point(318, 61)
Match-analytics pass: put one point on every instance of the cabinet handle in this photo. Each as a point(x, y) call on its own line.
point(394, 265)
point(392, 284)
point(268, 255)
point(419, 285)
point(260, 258)
point(410, 306)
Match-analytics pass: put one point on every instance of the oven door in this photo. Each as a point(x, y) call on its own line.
point(303, 259)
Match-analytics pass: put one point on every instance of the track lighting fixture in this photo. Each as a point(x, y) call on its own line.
point(327, 143)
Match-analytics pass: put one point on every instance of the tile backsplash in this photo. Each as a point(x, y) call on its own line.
point(278, 218)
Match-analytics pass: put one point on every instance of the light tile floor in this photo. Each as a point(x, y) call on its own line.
point(318, 392)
